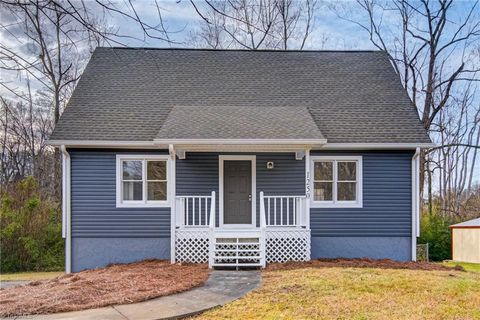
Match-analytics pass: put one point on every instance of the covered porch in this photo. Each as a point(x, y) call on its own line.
point(241, 209)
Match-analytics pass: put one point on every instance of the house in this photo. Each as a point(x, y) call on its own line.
point(466, 241)
point(237, 157)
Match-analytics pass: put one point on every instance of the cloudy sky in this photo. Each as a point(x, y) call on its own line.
point(181, 19)
point(330, 31)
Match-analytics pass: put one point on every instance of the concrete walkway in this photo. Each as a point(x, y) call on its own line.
point(221, 287)
point(10, 284)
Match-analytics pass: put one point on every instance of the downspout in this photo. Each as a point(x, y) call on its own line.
point(66, 208)
point(415, 201)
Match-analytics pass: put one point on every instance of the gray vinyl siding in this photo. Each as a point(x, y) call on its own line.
point(198, 174)
point(387, 198)
point(93, 200)
point(386, 194)
point(287, 178)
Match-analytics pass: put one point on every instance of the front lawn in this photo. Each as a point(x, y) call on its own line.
point(116, 284)
point(475, 267)
point(358, 293)
point(29, 276)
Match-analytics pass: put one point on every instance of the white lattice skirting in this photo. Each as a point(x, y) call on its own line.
point(191, 246)
point(287, 245)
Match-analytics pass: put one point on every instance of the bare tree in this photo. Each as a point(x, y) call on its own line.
point(433, 51)
point(48, 42)
point(253, 25)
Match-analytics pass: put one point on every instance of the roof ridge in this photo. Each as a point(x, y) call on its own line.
point(240, 50)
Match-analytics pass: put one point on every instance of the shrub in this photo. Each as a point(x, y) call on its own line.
point(435, 231)
point(30, 229)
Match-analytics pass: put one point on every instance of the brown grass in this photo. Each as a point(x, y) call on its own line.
point(362, 263)
point(115, 284)
point(358, 293)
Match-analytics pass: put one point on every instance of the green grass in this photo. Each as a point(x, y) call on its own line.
point(355, 293)
point(29, 276)
point(475, 267)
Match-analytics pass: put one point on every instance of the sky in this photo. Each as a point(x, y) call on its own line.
point(181, 19)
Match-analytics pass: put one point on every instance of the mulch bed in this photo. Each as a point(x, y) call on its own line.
point(115, 284)
point(361, 263)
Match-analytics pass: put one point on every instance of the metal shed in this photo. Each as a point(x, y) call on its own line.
point(466, 241)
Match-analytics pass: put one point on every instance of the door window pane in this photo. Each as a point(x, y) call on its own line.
point(323, 171)
point(347, 171)
point(132, 191)
point(156, 170)
point(323, 191)
point(157, 191)
point(346, 191)
point(132, 170)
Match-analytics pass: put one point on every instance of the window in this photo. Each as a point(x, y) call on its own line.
point(337, 181)
point(142, 181)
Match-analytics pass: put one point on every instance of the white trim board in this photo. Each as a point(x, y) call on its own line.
point(253, 159)
point(338, 204)
point(241, 141)
point(318, 144)
point(104, 144)
point(375, 146)
point(67, 207)
point(415, 164)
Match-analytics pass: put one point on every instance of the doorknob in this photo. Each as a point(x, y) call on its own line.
point(250, 197)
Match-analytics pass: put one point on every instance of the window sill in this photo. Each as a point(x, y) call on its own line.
point(163, 204)
point(314, 204)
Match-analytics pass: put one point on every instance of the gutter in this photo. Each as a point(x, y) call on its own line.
point(415, 201)
point(66, 208)
point(316, 144)
point(376, 146)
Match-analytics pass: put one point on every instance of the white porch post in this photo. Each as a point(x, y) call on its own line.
point(211, 238)
point(307, 199)
point(307, 188)
point(173, 211)
point(263, 234)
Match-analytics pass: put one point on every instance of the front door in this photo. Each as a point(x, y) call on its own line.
point(237, 184)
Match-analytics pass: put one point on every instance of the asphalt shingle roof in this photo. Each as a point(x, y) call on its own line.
point(126, 94)
point(469, 223)
point(230, 122)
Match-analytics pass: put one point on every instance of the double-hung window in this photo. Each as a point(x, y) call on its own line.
point(142, 181)
point(337, 181)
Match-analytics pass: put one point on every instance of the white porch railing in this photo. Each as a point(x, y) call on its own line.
point(284, 233)
point(284, 211)
point(195, 211)
point(285, 228)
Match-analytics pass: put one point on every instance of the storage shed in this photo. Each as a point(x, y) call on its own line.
point(466, 241)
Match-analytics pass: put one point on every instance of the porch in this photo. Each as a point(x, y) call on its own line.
point(283, 233)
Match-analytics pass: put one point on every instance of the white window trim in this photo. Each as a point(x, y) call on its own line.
point(120, 203)
point(337, 204)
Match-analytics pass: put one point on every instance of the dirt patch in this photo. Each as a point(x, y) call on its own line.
point(361, 263)
point(115, 284)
